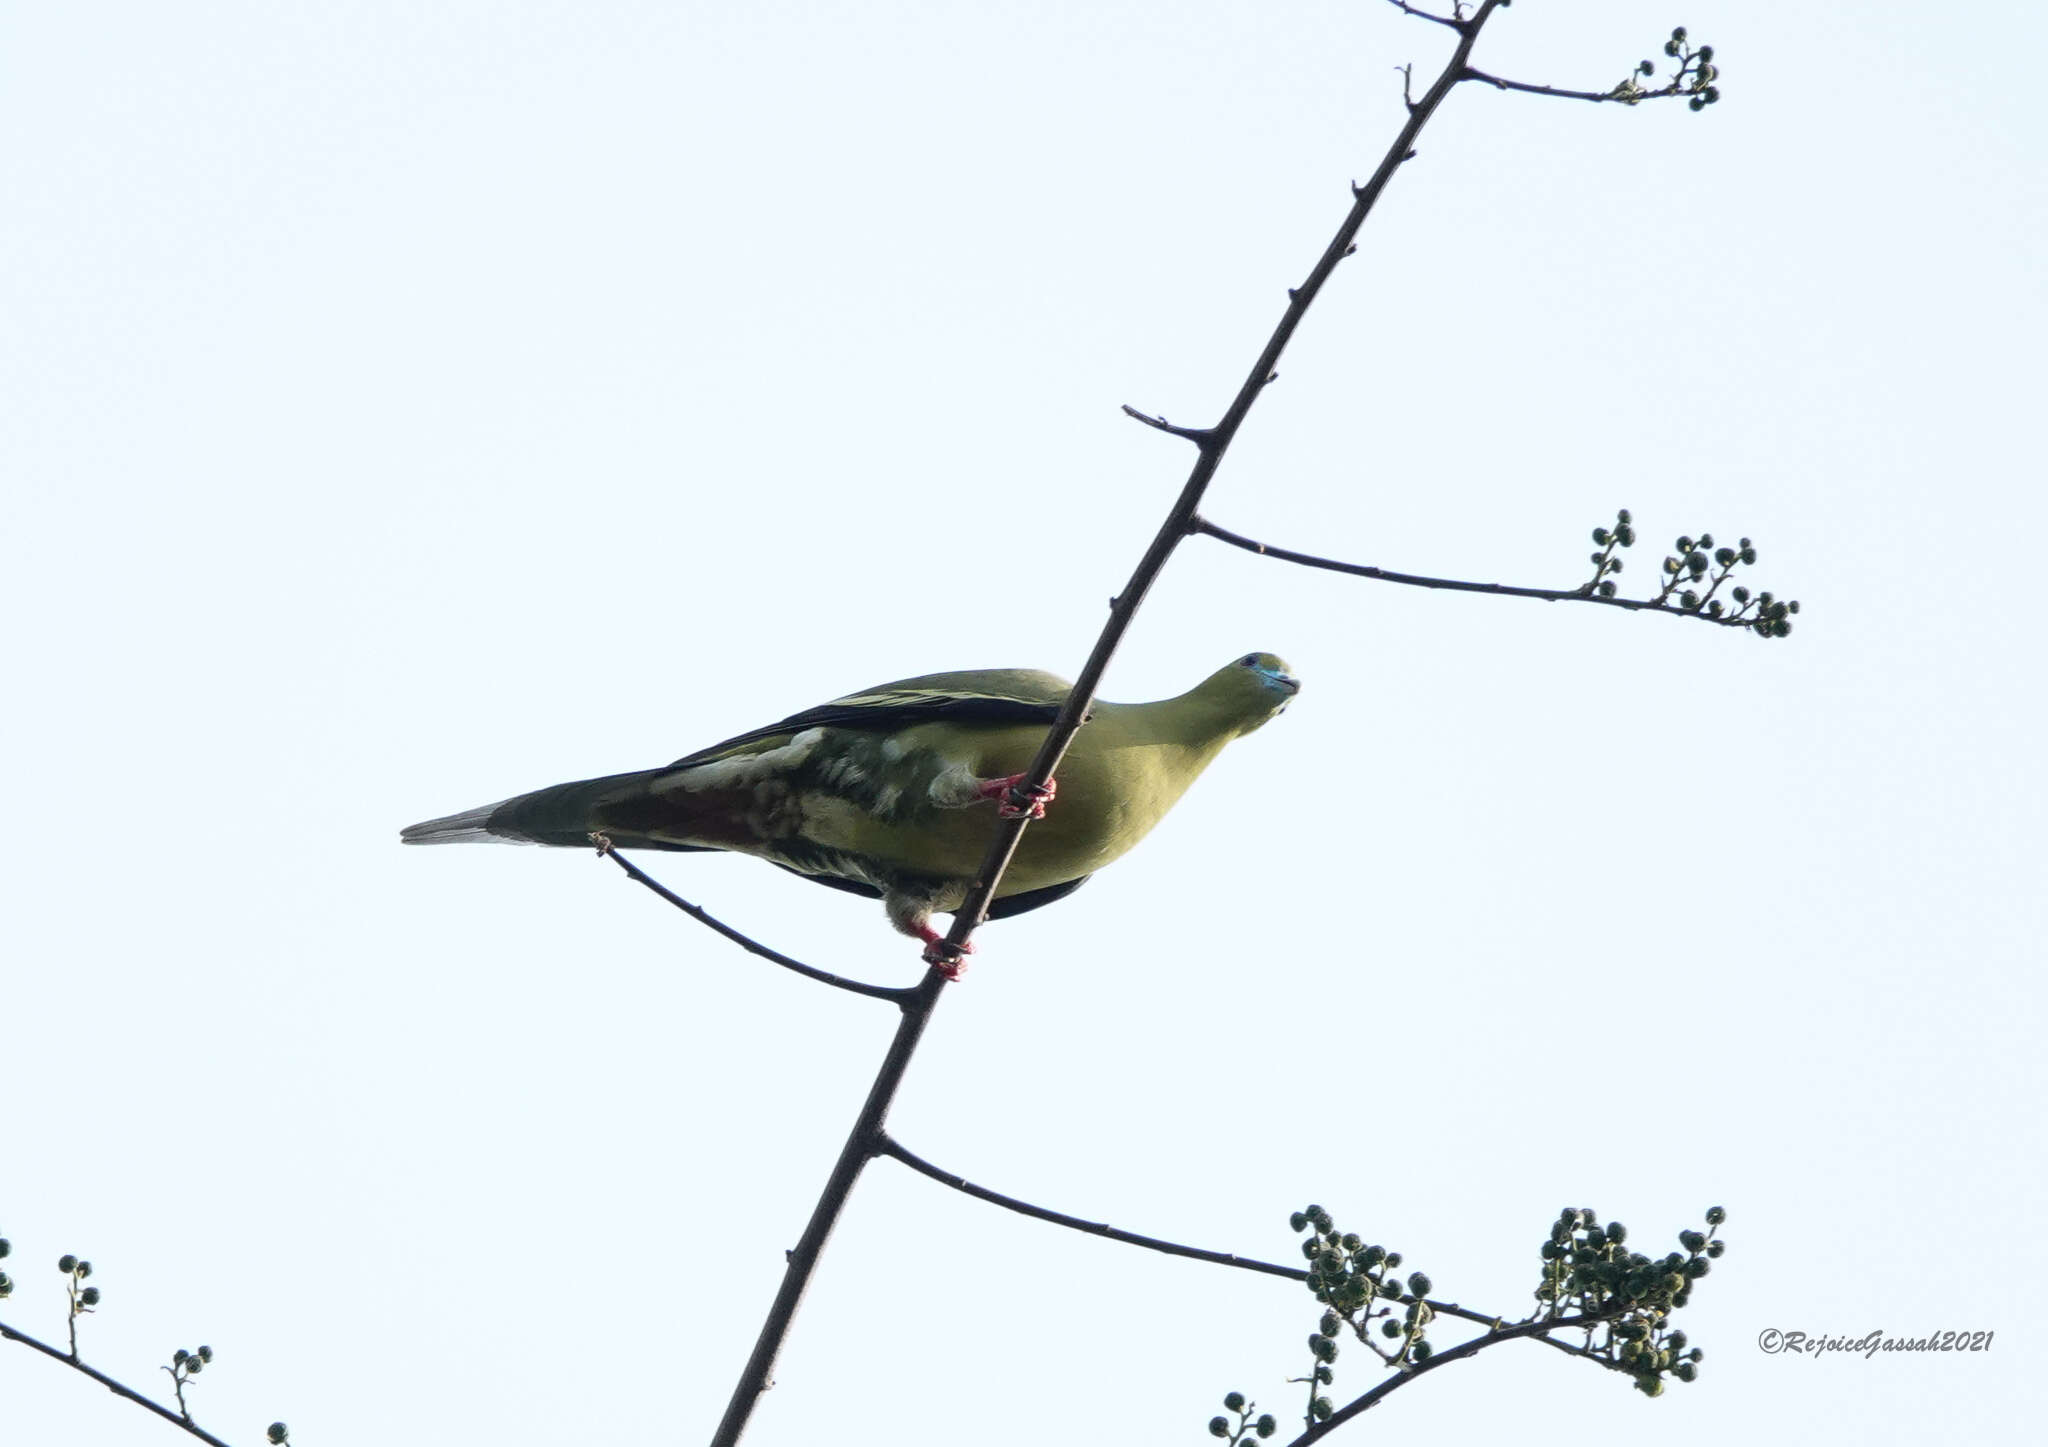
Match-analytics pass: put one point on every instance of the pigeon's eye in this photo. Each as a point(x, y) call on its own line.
point(1250, 660)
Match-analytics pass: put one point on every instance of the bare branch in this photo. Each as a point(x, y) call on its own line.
point(890, 1146)
point(900, 995)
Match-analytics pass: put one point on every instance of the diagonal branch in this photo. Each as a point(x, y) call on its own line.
point(1581, 594)
point(119, 1389)
point(895, 995)
point(863, 1143)
point(1211, 443)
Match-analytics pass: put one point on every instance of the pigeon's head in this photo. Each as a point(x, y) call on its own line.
point(1254, 688)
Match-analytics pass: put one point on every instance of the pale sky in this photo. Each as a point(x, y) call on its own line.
point(407, 405)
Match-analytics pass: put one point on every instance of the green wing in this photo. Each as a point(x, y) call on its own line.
point(977, 696)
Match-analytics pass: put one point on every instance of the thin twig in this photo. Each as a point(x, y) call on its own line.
point(1457, 1353)
point(119, 1389)
point(893, 1147)
point(1587, 1352)
point(1417, 580)
point(890, 1146)
point(898, 995)
point(1550, 90)
point(1196, 435)
point(1420, 14)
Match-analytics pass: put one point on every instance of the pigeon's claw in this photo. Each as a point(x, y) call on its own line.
point(1018, 800)
point(943, 955)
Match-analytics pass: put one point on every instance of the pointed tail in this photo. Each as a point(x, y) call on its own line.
point(564, 814)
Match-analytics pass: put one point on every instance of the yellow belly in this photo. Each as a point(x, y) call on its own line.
point(1111, 792)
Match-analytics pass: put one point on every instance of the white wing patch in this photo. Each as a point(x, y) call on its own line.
point(743, 769)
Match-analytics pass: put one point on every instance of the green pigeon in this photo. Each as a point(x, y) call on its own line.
point(882, 792)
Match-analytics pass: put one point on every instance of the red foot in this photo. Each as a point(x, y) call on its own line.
point(949, 960)
point(1018, 802)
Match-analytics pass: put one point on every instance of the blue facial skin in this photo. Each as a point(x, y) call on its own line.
point(1277, 679)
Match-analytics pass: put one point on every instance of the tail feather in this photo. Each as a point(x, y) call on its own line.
point(468, 827)
point(564, 814)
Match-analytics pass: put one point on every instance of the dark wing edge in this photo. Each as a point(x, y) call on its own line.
point(887, 718)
